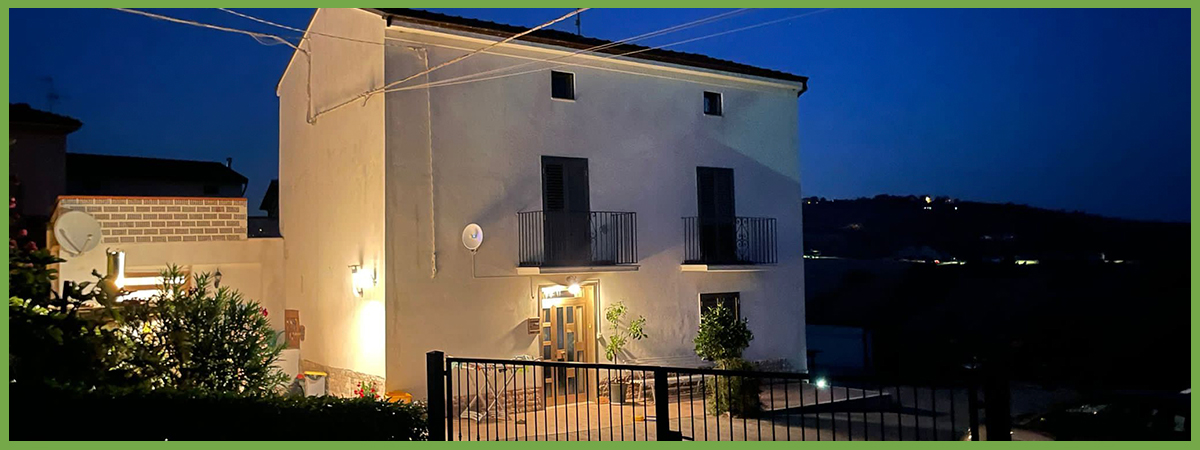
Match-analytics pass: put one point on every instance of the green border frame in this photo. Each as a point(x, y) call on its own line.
point(100, 422)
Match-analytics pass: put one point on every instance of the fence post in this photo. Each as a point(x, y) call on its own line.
point(662, 408)
point(435, 381)
point(996, 398)
point(973, 407)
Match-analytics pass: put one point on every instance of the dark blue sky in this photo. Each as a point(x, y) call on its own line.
point(1068, 109)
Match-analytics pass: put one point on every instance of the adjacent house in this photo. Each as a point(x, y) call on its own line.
point(36, 162)
point(666, 181)
point(91, 174)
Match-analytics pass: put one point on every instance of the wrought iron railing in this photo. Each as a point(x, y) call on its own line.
point(474, 399)
point(564, 238)
point(729, 240)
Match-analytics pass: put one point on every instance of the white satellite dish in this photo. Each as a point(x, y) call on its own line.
point(472, 237)
point(77, 232)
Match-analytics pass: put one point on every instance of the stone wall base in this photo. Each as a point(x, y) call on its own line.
point(342, 382)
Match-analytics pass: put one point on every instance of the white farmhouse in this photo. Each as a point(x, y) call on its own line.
point(667, 181)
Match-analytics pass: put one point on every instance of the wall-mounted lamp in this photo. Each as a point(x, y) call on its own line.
point(573, 286)
point(116, 267)
point(361, 279)
point(555, 293)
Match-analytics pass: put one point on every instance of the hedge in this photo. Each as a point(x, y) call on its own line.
point(53, 413)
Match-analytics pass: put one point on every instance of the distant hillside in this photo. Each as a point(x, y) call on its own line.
point(920, 227)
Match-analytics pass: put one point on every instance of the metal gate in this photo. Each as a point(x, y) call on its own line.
point(477, 399)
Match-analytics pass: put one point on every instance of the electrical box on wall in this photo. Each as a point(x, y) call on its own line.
point(533, 325)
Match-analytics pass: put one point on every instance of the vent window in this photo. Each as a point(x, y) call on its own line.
point(712, 103)
point(562, 85)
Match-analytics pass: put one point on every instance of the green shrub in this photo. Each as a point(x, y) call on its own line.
point(733, 394)
point(722, 338)
point(722, 335)
point(203, 338)
point(52, 337)
point(168, 414)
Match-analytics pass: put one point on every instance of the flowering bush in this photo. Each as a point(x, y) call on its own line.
point(366, 389)
point(205, 338)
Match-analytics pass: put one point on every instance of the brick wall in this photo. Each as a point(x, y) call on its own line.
point(162, 219)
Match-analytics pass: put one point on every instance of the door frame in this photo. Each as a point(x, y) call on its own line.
point(591, 339)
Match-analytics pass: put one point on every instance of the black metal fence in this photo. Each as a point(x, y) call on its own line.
point(473, 399)
point(729, 240)
point(565, 238)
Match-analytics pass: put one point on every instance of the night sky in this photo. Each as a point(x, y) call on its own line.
point(1067, 109)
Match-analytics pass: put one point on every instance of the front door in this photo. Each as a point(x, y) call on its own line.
point(715, 207)
point(568, 335)
point(566, 205)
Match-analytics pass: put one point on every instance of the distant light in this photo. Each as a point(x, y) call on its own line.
point(821, 383)
point(956, 208)
point(928, 200)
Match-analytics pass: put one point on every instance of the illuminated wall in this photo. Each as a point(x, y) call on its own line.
point(331, 190)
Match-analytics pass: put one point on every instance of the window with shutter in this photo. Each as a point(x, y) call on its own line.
point(553, 177)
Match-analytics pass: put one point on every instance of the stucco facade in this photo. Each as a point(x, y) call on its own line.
point(413, 167)
point(331, 191)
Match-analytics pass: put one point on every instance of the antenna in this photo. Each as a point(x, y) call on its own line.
point(52, 96)
point(472, 237)
point(77, 232)
point(578, 24)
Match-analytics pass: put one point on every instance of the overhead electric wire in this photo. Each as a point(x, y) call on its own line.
point(597, 48)
point(267, 22)
point(254, 34)
point(367, 95)
point(304, 33)
point(267, 39)
point(470, 78)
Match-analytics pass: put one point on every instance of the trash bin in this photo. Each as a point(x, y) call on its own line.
point(314, 383)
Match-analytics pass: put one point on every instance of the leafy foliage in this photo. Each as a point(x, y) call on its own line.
point(614, 343)
point(733, 394)
point(722, 335)
point(187, 338)
point(205, 338)
point(52, 335)
point(170, 414)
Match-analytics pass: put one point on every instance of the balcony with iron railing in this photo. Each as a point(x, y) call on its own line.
point(729, 241)
point(558, 239)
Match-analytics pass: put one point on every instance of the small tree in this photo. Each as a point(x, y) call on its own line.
point(616, 342)
point(722, 335)
point(722, 338)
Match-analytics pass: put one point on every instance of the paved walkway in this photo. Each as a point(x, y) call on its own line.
point(801, 412)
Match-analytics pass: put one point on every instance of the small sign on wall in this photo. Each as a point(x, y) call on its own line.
point(292, 327)
point(533, 325)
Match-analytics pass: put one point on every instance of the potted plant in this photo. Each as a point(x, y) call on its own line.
point(615, 343)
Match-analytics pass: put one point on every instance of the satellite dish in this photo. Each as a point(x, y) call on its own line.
point(77, 232)
point(472, 237)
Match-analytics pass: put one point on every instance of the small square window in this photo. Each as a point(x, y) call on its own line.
point(562, 85)
point(712, 103)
